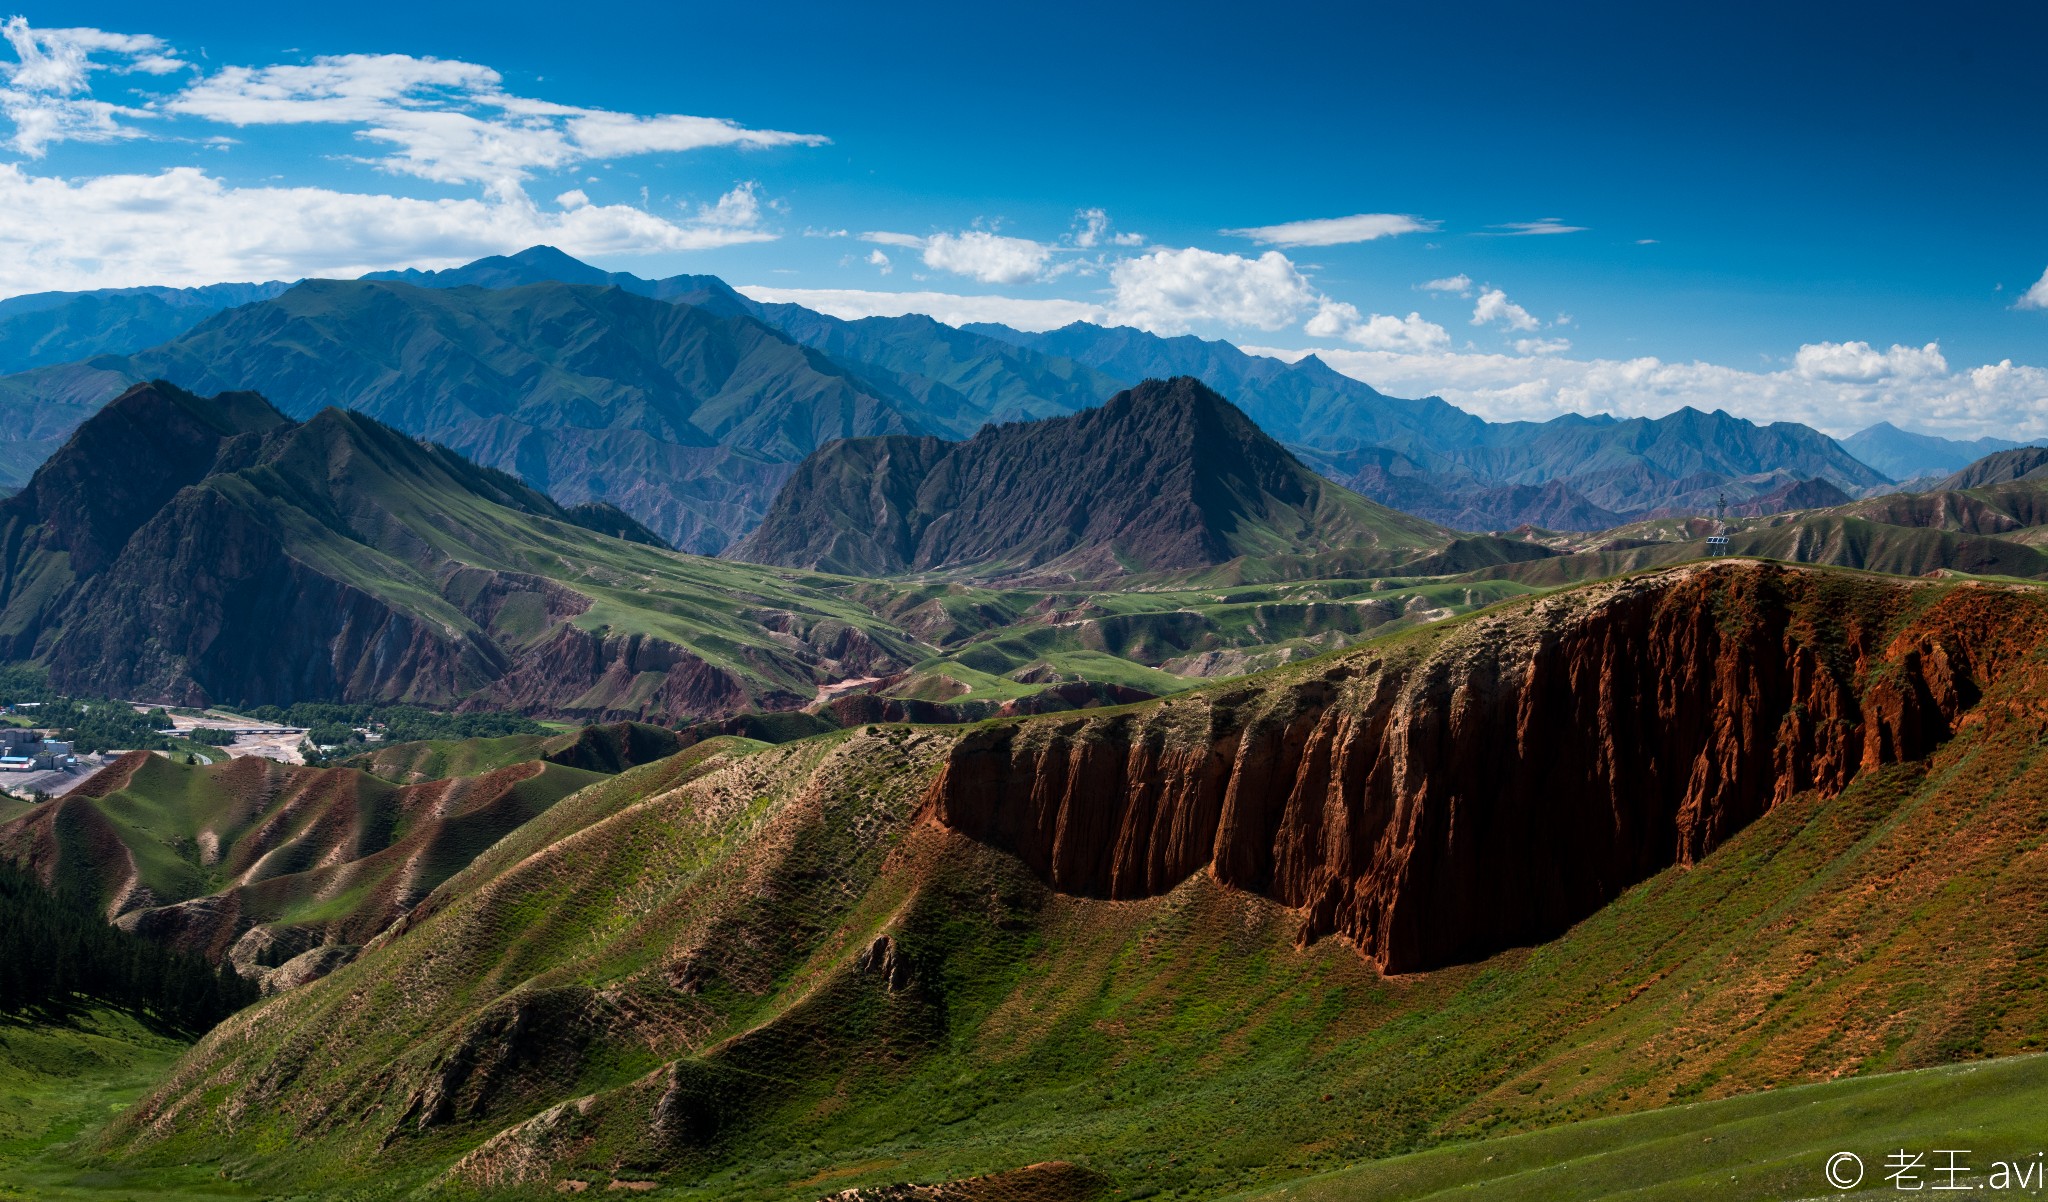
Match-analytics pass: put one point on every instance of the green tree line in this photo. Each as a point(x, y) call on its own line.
point(58, 955)
point(333, 723)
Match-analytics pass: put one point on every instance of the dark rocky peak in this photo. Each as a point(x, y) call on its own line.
point(2000, 467)
point(121, 466)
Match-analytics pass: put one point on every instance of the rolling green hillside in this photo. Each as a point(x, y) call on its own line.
point(777, 973)
point(260, 863)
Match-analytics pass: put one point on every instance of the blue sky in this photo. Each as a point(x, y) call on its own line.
point(1832, 215)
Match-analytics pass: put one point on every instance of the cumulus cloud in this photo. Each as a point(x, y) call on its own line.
point(853, 303)
point(184, 227)
point(1460, 285)
point(1335, 231)
point(2004, 398)
point(977, 254)
point(1494, 305)
point(877, 259)
point(1168, 291)
point(2035, 297)
point(989, 258)
point(737, 209)
point(1542, 346)
point(1859, 362)
point(42, 91)
point(450, 121)
point(1379, 332)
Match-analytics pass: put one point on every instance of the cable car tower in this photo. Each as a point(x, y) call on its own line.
point(1717, 542)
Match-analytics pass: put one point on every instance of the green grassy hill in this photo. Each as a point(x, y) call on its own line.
point(259, 862)
point(1770, 1145)
point(757, 973)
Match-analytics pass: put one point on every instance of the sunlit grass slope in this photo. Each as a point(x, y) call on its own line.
point(754, 973)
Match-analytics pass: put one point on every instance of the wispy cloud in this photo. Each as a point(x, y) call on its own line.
point(1092, 229)
point(43, 91)
point(853, 303)
point(1457, 285)
point(1542, 225)
point(1335, 231)
point(451, 121)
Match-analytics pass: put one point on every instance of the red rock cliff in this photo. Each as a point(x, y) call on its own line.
point(1487, 784)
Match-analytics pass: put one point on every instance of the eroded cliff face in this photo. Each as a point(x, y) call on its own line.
point(1487, 784)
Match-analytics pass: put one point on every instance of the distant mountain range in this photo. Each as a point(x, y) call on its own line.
point(42, 328)
point(687, 404)
point(1164, 477)
point(1904, 455)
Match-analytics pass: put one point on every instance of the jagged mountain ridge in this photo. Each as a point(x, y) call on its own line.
point(1437, 461)
point(187, 550)
point(1164, 477)
point(1425, 456)
point(679, 416)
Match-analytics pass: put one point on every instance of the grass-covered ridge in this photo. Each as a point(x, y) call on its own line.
point(752, 973)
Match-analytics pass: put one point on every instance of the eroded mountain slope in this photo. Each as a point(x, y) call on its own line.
point(776, 972)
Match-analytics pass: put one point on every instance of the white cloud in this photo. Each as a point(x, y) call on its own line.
point(1859, 362)
point(853, 303)
point(450, 121)
point(184, 227)
point(1379, 332)
point(1167, 291)
point(1334, 231)
point(737, 209)
point(885, 238)
point(2005, 399)
point(1542, 225)
point(1092, 229)
point(878, 259)
point(574, 198)
point(1494, 305)
point(41, 92)
point(2035, 297)
point(1460, 284)
point(989, 258)
point(1542, 346)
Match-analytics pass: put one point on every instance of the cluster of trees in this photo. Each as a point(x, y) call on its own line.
point(210, 737)
point(87, 725)
point(57, 955)
point(331, 724)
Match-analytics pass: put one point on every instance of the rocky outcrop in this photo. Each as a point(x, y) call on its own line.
point(1484, 786)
